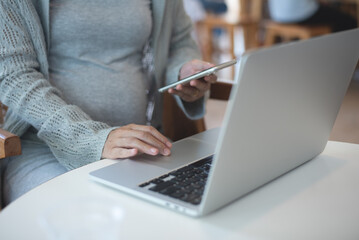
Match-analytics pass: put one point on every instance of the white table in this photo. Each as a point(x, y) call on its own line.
point(318, 200)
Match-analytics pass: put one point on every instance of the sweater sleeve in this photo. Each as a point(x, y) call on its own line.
point(183, 49)
point(72, 136)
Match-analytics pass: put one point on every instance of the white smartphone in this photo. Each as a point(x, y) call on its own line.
point(203, 73)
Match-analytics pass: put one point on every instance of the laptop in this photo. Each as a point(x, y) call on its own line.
point(280, 114)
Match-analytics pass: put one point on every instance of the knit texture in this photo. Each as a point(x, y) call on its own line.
point(72, 136)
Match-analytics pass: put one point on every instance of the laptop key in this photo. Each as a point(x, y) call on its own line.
point(157, 181)
point(186, 183)
point(144, 184)
point(169, 190)
point(161, 186)
point(177, 194)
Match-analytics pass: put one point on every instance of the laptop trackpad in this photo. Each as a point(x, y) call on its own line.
point(182, 152)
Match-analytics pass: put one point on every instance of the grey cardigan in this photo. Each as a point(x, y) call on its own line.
point(73, 137)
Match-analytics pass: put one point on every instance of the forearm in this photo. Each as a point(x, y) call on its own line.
point(73, 137)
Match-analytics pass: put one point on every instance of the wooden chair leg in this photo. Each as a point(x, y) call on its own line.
point(207, 55)
point(270, 38)
point(249, 35)
point(230, 30)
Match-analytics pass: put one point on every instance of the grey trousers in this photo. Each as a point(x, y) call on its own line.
point(33, 167)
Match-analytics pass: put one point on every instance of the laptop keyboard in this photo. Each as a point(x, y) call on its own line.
point(186, 183)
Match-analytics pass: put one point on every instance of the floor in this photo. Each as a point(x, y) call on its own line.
point(346, 127)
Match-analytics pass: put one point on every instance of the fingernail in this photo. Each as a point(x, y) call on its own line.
point(134, 151)
point(166, 151)
point(169, 144)
point(154, 150)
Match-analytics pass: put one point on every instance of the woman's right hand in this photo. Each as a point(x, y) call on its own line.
point(133, 139)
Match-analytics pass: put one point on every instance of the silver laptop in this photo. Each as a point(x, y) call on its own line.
point(280, 114)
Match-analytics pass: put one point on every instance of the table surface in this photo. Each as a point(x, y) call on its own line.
point(318, 200)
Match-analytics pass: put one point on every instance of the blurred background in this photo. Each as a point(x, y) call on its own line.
point(225, 29)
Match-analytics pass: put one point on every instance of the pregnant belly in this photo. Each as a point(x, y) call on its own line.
point(116, 98)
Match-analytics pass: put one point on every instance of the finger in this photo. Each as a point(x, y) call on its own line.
point(148, 138)
point(190, 91)
point(180, 94)
point(185, 97)
point(211, 78)
point(193, 67)
point(153, 131)
point(201, 85)
point(125, 139)
point(133, 142)
point(146, 142)
point(177, 92)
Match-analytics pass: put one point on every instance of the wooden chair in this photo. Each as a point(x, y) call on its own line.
point(221, 91)
point(248, 20)
point(175, 123)
point(9, 143)
point(350, 7)
point(288, 32)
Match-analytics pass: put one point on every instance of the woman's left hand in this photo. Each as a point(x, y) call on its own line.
point(197, 87)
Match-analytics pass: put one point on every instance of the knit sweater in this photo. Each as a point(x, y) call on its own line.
point(73, 137)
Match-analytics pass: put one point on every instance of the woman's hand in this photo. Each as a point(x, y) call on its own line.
point(196, 88)
point(132, 139)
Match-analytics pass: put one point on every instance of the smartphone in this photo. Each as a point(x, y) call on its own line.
point(201, 74)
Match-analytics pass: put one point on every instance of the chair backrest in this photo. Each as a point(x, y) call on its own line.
point(251, 9)
point(9, 143)
point(175, 123)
